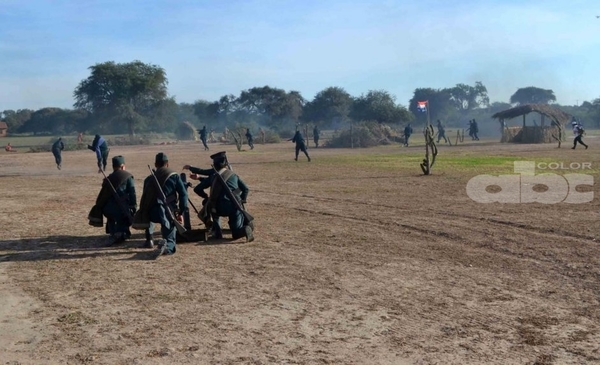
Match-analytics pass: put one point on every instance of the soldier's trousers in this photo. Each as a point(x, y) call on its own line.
point(303, 149)
point(57, 157)
point(167, 228)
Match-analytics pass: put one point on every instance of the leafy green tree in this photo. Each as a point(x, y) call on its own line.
point(466, 98)
point(380, 106)
point(125, 92)
point(15, 119)
point(532, 95)
point(331, 105)
point(55, 121)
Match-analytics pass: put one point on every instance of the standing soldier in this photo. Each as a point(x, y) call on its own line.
point(220, 203)
point(100, 146)
point(441, 132)
point(300, 146)
point(316, 136)
point(154, 209)
point(202, 133)
point(57, 148)
point(475, 130)
point(250, 138)
point(407, 133)
point(119, 207)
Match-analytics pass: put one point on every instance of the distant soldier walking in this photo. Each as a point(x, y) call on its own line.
point(441, 132)
point(250, 138)
point(203, 133)
point(300, 145)
point(408, 131)
point(57, 148)
point(316, 135)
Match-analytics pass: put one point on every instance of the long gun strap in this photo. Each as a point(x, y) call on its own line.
point(122, 206)
point(247, 217)
point(180, 228)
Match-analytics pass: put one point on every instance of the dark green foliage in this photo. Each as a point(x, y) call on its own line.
point(126, 93)
point(532, 95)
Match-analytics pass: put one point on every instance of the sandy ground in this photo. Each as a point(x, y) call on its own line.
point(353, 263)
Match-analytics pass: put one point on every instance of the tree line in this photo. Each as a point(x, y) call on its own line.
point(119, 98)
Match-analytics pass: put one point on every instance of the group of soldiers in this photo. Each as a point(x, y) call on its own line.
point(441, 132)
point(298, 139)
point(165, 200)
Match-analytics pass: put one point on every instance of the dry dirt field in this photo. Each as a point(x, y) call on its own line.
point(358, 259)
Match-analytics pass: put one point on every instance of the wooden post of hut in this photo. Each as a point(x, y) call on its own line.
point(537, 133)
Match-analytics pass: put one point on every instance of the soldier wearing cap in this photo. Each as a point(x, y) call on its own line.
point(300, 145)
point(220, 205)
point(205, 183)
point(153, 209)
point(100, 146)
point(117, 223)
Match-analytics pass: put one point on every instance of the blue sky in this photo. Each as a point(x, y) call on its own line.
point(212, 48)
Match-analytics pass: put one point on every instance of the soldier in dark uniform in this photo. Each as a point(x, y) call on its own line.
point(250, 138)
point(152, 209)
point(220, 204)
point(475, 130)
point(300, 145)
point(407, 133)
point(57, 148)
point(100, 146)
point(441, 132)
point(117, 222)
point(316, 135)
point(579, 131)
point(202, 133)
point(205, 183)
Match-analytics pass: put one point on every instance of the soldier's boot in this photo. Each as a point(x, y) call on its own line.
point(249, 234)
point(245, 231)
point(160, 250)
point(117, 238)
point(149, 244)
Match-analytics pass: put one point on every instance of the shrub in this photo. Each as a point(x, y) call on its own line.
point(185, 131)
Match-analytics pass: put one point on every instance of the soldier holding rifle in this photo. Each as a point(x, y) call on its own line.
point(228, 193)
point(116, 201)
point(164, 192)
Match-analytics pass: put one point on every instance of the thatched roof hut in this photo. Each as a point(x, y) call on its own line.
point(555, 114)
point(533, 134)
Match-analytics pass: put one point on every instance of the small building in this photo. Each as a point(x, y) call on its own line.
point(547, 132)
point(3, 129)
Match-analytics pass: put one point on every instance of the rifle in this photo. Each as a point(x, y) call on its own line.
point(180, 228)
point(188, 185)
point(247, 217)
point(120, 202)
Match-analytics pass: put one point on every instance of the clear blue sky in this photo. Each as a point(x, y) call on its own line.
point(212, 48)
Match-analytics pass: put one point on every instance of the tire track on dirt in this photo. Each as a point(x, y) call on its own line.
point(522, 226)
point(519, 243)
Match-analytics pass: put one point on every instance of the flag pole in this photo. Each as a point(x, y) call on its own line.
point(428, 119)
